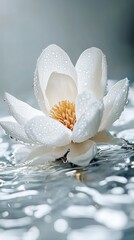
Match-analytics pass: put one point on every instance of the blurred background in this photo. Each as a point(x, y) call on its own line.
point(28, 26)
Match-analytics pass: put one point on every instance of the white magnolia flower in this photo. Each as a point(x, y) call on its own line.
point(75, 112)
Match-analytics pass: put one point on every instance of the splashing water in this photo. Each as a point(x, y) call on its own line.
point(56, 201)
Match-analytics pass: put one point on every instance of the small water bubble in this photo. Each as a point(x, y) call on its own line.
point(5, 214)
point(60, 225)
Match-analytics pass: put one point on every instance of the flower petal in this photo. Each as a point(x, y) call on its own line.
point(60, 87)
point(38, 155)
point(83, 102)
point(91, 70)
point(29, 153)
point(40, 96)
point(16, 131)
point(59, 152)
point(104, 137)
point(82, 153)
point(114, 103)
point(88, 123)
point(47, 131)
point(20, 110)
point(7, 118)
point(53, 59)
point(52, 153)
point(33, 156)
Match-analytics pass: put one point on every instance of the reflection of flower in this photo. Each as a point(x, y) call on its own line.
point(74, 114)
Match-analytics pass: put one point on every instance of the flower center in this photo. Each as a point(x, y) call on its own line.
point(64, 112)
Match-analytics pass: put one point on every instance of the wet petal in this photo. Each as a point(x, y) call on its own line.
point(47, 131)
point(88, 123)
point(114, 103)
point(83, 102)
point(20, 110)
point(53, 59)
point(16, 131)
point(91, 69)
point(82, 153)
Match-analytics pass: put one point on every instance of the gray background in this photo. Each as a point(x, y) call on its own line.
point(28, 26)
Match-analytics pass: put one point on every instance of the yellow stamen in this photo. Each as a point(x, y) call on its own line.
point(64, 112)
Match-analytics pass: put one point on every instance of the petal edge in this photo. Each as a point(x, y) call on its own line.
point(20, 110)
point(82, 153)
point(114, 103)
